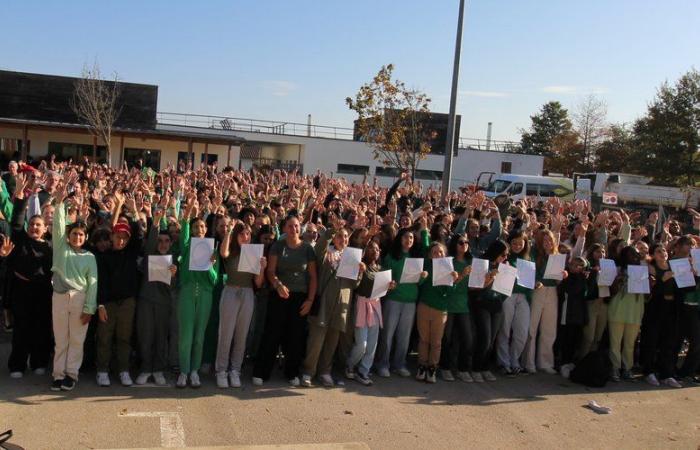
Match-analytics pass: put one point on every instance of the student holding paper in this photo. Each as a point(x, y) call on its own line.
point(330, 317)
point(690, 314)
point(458, 329)
point(368, 320)
point(660, 322)
point(196, 294)
point(516, 312)
point(624, 318)
point(572, 307)
point(398, 307)
point(236, 306)
point(154, 308)
point(431, 316)
point(543, 311)
point(486, 307)
point(596, 303)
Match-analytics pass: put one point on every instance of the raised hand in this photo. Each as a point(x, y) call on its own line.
point(6, 247)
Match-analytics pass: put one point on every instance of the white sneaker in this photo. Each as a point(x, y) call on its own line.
point(103, 379)
point(671, 382)
point(16, 375)
point(125, 378)
point(257, 381)
point(476, 376)
point(222, 379)
point(651, 379)
point(488, 376)
point(549, 370)
point(447, 375)
point(566, 369)
point(181, 380)
point(404, 372)
point(294, 382)
point(465, 376)
point(40, 371)
point(194, 379)
point(234, 379)
point(326, 380)
point(159, 378)
point(143, 378)
point(306, 381)
point(384, 373)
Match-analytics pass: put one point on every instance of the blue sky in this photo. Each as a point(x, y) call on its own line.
point(282, 60)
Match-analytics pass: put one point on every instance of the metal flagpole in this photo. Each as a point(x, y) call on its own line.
point(452, 118)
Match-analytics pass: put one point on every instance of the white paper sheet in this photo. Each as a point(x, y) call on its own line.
point(159, 268)
point(349, 266)
point(412, 268)
point(682, 272)
point(201, 250)
point(608, 272)
point(526, 273)
point(442, 271)
point(695, 255)
point(249, 261)
point(505, 279)
point(555, 267)
point(477, 277)
point(638, 280)
point(382, 280)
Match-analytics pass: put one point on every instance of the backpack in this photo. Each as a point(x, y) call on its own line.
point(593, 370)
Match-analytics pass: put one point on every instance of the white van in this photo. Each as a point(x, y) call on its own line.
point(521, 186)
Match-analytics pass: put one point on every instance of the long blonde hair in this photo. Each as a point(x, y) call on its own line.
point(539, 246)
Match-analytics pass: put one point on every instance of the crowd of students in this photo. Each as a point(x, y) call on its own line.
point(82, 243)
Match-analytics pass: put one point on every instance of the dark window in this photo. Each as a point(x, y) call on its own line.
point(516, 188)
point(211, 159)
point(352, 169)
point(182, 156)
point(506, 167)
point(533, 189)
point(151, 158)
point(387, 172)
point(429, 174)
point(76, 152)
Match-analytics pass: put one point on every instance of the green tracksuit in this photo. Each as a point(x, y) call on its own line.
point(196, 294)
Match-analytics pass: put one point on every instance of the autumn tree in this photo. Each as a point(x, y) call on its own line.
point(566, 154)
point(551, 121)
point(667, 138)
point(392, 120)
point(615, 152)
point(95, 103)
point(589, 122)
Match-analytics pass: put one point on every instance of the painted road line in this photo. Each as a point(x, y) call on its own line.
point(172, 433)
point(301, 446)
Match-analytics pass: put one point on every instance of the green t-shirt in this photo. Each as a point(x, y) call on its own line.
point(292, 265)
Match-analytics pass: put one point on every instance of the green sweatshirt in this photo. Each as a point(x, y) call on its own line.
point(517, 289)
point(72, 270)
point(458, 297)
point(404, 292)
point(539, 271)
point(187, 276)
point(437, 297)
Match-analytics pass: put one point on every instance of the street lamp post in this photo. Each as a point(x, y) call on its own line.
point(452, 118)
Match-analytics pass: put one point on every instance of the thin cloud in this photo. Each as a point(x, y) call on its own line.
point(279, 88)
point(565, 89)
point(486, 94)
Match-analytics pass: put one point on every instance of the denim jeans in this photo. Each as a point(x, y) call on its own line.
point(362, 353)
point(398, 324)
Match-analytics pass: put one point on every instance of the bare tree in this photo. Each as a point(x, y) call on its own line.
point(95, 103)
point(590, 123)
point(391, 119)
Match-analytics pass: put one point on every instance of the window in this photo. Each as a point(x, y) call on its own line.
point(353, 169)
point(506, 166)
point(533, 189)
point(498, 186)
point(429, 174)
point(387, 172)
point(516, 189)
point(211, 159)
point(182, 156)
point(76, 152)
point(150, 158)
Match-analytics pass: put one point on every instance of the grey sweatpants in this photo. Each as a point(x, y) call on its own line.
point(235, 313)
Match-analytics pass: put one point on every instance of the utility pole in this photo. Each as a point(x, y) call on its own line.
point(452, 118)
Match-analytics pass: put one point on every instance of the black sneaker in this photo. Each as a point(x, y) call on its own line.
point(56, 385)
point(420, 376)
point(67, 384)
point(363, 379)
